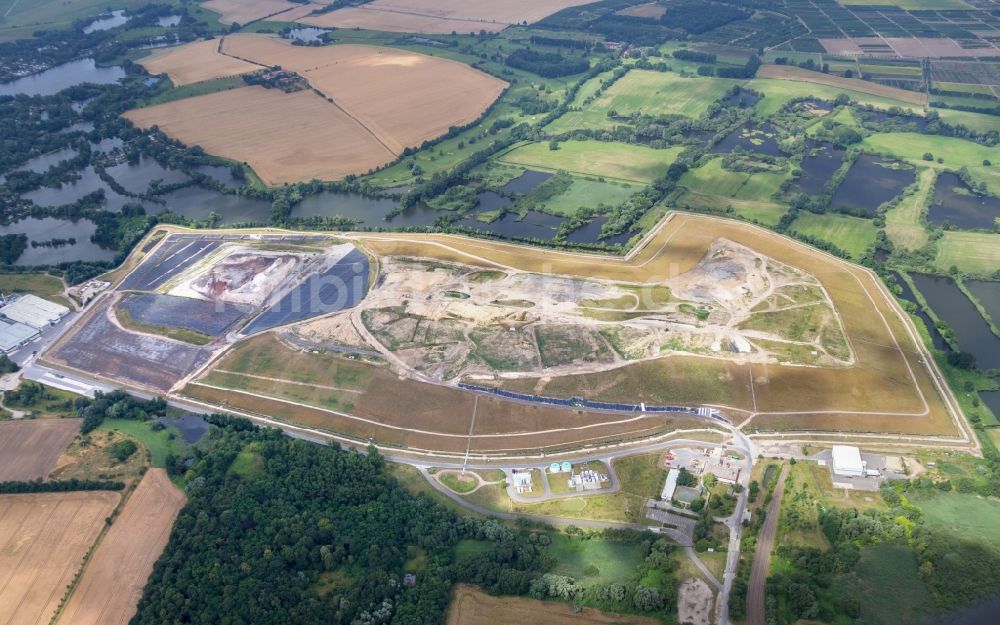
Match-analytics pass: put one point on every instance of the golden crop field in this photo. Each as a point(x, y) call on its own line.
point(112, 582)
point(471, 606)
point(43, 540)
point(401, 97)
point(243, 11)
point(441, 16)
point(195, 62)
point(890, 389)
point(790, 72)
point(284, 137)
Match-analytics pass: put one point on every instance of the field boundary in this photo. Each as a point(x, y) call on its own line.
point(793, 73)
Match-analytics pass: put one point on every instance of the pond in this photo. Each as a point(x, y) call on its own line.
point(490, 201)
point(41, 164)
point(992, 401)
point(936, 339)
point(199, 203)
point(590, 233)
point(136, 177)
point(221, 174)
point(55, 79)
point(955, 203)
point(988, 294)
point(897, 123)
point(307, 35)
point(526, 182)
point(192, 427)
point(169, 21)
point(972, 333)
point(68, 193)
point(761, 139)
point(107, 145)
point(106, 22)
point(820, 162)
point(535, 225)
point(871, 181)
point(48, 228)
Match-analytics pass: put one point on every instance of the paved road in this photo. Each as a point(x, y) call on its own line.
point(762, 558)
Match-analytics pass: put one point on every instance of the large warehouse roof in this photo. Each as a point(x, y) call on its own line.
point(34, 311)
point(13, 334)
point(847, 460)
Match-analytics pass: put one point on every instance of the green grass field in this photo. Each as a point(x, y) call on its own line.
point(159, 443)
point(974, 121)
point(955, 153)
point(902, 223)
point(851, 234)
point(196, 89)
point(618, 161)
point(712, 178)
point(778, 92)
point(971, 252)
point(969, 516)
point(589, 193)
point(649, 92)
point(40, 284)
point(594, 561)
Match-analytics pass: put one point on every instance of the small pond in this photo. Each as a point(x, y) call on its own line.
point(761, 139)
point(526, 182)
point(68, 193)
point(936, 339)
point(871, 181)
point(137, 177)
point(106, 22)
point(956, 204)
point(590, 233)
point(192, 427)
point(221, 174)
point(41, 164)
point(535, 225)
point(820, 162)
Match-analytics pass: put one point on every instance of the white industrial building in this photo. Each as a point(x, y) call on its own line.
point(847, 461)
point(671, 485)
point(34, 311)
point(14, 335)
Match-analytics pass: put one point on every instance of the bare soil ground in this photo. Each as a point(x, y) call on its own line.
point(471, 606)
point(401, 97)
point(650, 11)
point(695, 601)
point(113, 580)
point(790, 72)
point(195, 62)
point(87, 458)
point(441, 16)
point(889, 388)
point(324, 142)
point(30, 449)
point(43, 540)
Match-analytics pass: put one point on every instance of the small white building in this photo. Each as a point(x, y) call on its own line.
point(522, 481)
point(34, 311)
point(847, 461)
point(671, 485)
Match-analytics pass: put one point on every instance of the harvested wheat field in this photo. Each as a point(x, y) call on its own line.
point(29, 449)
point(195, 62)
point(790, 72)
point(441, 16)
point(43, 540)
point(245, 11)
point(284, 137)
point(113, 580)
point(471, 606)
point(403, 98)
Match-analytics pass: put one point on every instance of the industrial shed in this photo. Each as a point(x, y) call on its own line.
point(14, 335)
point(847, 461)
point(34, 311)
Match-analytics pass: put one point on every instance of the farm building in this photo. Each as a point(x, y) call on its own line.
point(14, 335)
point(34, 311)
point(847, 461)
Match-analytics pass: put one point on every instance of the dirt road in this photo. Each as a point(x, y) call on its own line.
point(762, 558)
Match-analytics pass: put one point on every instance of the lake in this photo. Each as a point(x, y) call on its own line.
point(535, 225)
point(820, 162)
point(590, 233)
point(526, 182)
point(68, 193)
point(972, 333)
point(198, 203)
point(55, 79)
point(137, 177)
point(48, 228)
